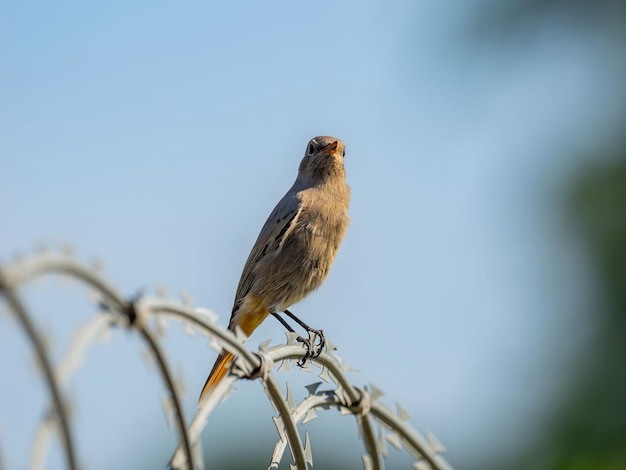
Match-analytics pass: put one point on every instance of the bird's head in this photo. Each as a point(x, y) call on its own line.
point(323, 158)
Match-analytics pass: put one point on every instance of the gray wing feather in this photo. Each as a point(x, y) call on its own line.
point(276, 228)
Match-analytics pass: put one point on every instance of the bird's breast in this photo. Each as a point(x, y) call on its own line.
point(308, 250)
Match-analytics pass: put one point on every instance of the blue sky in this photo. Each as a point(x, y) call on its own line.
point(157, 137)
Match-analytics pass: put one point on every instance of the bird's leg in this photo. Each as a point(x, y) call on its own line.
point(282, 321)
point(309, 347)
point(311, 350)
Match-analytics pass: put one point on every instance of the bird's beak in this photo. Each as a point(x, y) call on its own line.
point(331, 147)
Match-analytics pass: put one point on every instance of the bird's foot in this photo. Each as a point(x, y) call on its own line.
point(312, 350)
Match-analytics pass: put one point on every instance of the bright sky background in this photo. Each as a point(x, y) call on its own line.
point(157, 137)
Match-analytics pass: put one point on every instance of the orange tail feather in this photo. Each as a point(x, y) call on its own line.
point(252, 312)
point(219, 371)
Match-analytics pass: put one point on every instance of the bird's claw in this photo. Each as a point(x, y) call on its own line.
point(312, 350)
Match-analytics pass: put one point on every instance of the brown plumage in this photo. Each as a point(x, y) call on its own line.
point(296, 246)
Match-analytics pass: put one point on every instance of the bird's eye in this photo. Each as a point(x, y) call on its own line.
point(311, 149)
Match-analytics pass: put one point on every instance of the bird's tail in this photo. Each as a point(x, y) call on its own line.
point(248, 316)
point(222, 364)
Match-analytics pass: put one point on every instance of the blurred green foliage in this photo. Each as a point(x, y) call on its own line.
point(599, 208)
point(503, 18)
point(587, 430)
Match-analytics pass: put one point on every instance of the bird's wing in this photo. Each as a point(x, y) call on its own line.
point(276, 228)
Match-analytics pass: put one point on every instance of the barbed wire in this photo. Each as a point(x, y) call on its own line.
point(136, 314)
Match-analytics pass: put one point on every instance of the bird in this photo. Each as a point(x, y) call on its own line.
point(295, 248)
